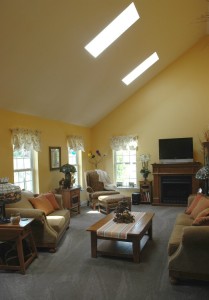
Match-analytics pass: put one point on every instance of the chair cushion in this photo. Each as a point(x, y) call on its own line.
point(95, 195)
point(92, 179)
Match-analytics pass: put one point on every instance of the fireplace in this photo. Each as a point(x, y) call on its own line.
point(175, 189)
point(174, 182)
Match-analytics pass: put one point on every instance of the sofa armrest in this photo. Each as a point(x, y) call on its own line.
point(195, 236)
point(37, 214)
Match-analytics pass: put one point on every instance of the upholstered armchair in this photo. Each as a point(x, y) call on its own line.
point(96, 188)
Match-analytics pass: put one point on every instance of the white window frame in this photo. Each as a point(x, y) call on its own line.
point(77, 164)
point(24, 184)
point(128, 177)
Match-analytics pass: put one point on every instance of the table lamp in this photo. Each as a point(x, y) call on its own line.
point(9, 193)
point(203, 174)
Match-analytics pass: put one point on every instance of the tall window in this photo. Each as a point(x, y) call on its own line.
point(73, 159)
point(23, 169)
point(125, 166)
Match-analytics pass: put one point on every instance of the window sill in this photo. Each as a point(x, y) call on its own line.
point(136, 188)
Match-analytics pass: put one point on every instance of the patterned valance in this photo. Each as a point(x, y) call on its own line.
point(75, 143)
point(26, 139)
point(127, 142)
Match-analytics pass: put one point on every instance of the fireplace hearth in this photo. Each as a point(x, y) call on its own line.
point(175, 189)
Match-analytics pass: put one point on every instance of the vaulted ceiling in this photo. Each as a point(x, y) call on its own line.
point(45, 70)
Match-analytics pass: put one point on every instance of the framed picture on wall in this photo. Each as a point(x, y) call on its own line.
point(55, 158)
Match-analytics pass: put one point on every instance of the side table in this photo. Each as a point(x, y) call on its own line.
point(17, 233)
point(71, 198)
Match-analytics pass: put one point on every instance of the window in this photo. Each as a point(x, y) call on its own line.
point(73, 159)
point(23, 169)
point(125, 166)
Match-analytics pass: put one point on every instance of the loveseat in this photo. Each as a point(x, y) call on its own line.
point(188, 246)
point(50, 219)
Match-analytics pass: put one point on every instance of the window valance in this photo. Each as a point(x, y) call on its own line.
point(127, 142)
point(75, 142)
point(26, 139)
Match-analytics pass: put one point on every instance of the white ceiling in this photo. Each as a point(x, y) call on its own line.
point(45, 70)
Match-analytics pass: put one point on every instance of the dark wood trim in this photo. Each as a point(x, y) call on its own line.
point(160, 170)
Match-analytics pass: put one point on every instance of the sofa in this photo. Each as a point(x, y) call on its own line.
point(51, 220)
point(188, 246)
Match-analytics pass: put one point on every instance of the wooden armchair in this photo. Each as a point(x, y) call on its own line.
point(96, 188)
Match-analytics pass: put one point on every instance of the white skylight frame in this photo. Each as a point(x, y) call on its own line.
point(115, 29)
point(147, 63)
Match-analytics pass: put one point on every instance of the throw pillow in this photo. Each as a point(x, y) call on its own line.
point(42, 203)
point(201, 221)
point(202, 204)
point(52, 200)
point(194, 203)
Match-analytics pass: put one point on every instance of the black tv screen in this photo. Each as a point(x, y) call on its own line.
point(176, 150)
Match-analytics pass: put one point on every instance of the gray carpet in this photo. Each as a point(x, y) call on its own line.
point(71, 273)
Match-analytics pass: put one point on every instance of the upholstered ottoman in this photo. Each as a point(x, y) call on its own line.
point(108, 203)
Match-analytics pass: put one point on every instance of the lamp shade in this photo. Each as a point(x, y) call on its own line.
point(203, 173)
point(67, 168)
point(9, 193)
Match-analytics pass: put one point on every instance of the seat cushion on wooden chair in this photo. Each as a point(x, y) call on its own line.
point(108, 203)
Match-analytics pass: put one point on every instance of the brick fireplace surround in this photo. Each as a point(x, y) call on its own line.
point(174, 182)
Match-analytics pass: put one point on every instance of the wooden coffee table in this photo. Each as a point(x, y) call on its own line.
point(141, 228)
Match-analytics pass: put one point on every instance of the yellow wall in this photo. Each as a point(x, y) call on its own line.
point(53, 133)
point(173, 104)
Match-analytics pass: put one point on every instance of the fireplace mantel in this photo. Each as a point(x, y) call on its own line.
point(182, 169)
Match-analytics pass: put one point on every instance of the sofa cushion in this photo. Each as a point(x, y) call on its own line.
point(201, 221)
point(202, 204)
point(175, 239)
point(183, 219)
point(56, 222)
point(202, 218)
point(42, 203)
point(194, 203)
point(58, 218)
point(52, 200)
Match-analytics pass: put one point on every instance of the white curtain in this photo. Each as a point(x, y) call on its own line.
point(75, 142)
point(26, 139)
point(127, 142)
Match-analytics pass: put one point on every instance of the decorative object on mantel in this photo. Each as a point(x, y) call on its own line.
point(96, 158)
point(145, 158)
point(69, 171)
point(9, 193)
point(122, 213)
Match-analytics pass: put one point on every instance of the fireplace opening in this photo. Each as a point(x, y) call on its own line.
point(175, 189)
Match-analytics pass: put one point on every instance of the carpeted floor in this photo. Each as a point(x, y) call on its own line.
point(71, 273)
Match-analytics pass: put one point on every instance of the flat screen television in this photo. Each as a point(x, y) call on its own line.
point(176, 150)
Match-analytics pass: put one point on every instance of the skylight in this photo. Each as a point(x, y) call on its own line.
point(147, 63)
point(115, 29)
